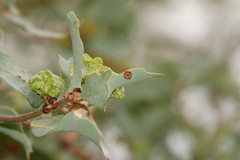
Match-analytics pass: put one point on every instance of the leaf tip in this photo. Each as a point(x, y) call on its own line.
point(145, 71)
point(73, 19)
point(157, 74)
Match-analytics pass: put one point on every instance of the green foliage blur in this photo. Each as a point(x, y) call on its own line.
point(191, 113)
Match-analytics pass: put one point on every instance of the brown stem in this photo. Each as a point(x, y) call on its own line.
point(22, 117)
point(19, 118)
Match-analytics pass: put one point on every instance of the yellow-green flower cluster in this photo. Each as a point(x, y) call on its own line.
point(93, 65)
point(47, 84)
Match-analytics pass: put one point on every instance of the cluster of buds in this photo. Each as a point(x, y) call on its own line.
point(73, 101)
point(73, 97)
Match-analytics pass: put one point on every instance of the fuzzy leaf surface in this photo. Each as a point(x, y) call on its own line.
point(18, 79)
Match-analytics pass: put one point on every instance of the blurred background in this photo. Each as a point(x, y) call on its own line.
point(192, 113)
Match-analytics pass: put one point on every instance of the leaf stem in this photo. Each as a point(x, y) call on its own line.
point(20, 118)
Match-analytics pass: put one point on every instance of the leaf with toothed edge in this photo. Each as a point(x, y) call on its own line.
point(15, 131)
point(97, 89)
point(18, 79)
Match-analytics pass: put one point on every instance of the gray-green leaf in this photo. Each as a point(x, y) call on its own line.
point(78, 51)
point(18, 79)
point(71, 122)
point(98, 88)
point(64, 67)
point(15, 131)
